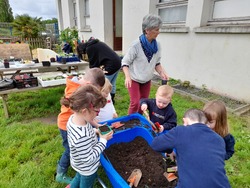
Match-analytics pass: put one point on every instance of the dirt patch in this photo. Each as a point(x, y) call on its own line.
point(203, 93)
point(125, 157)
point(52, 120)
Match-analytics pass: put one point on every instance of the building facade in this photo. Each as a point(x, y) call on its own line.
point(205, 42)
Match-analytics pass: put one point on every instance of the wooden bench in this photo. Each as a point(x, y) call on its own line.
point(4, 94)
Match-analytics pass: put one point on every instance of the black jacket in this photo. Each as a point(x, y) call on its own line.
point(166, 116)
point(100, 54)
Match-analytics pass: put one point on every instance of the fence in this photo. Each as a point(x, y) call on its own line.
point(33, 42)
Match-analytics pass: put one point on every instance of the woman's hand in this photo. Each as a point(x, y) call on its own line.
point(164, 75)
point(161, 72)
point(128, 82)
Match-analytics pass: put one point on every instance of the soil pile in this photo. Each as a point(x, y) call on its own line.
point(125, 157)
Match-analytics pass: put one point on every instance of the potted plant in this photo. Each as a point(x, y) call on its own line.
point(69, 36)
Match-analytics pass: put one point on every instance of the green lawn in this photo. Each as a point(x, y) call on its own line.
point(30, 149)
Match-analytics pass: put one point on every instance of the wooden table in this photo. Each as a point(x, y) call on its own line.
point(41, 69)
point(38, 66)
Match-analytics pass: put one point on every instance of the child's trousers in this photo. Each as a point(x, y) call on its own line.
point(80, 181)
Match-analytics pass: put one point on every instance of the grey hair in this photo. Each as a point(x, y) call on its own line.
point(151, 21)
point(196, 115)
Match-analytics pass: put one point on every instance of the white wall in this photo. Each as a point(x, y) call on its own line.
point(215, 60)
point(64, 13)
point(133, 13)
point(108, 23)
point(59, 14)
point(100, 22)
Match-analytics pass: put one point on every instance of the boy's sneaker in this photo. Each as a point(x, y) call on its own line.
point(63, 178)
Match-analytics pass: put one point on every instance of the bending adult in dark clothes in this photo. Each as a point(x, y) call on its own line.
point(101, 55)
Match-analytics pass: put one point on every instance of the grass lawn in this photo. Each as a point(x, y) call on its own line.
point(30, 149)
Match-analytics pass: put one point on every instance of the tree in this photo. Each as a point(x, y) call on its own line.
point(50, 21)
point(26, 26)
point(6, 14)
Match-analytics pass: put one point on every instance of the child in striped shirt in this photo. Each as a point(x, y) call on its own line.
point(85, 148)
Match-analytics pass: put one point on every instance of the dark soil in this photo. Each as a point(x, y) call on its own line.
point(125, 157)
point(104, 129)
point(191, 90)
point(130, 124)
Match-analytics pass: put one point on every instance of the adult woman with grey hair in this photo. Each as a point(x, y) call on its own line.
point(142, 58)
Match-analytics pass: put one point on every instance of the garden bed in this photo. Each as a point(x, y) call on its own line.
point(235, 106)
point(232, 105)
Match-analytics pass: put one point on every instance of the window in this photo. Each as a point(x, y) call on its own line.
point(226, 16)
point(75, 14)
point(86, 8)
point(86, 14)
point(230, 12)
point(173, 11)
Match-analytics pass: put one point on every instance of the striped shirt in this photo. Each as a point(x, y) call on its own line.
point(85, 149)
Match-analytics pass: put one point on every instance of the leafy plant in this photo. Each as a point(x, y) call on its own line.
point(26, 26)
point(70, 36)
point(204, 87)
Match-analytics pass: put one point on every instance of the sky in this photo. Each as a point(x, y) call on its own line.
point(34, 8)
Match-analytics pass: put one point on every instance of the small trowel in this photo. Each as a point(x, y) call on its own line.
point(155, 127)
point(116, 125)
point(134, 178)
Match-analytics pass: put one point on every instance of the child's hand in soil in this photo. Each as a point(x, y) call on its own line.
point(172, 156)
point(107, 136)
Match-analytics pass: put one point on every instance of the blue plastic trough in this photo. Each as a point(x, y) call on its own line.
point(127, 135)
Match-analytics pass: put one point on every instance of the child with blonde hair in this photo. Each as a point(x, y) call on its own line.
point(85, 148)
point(108, 111)
point(160, 109)
point(216, 114)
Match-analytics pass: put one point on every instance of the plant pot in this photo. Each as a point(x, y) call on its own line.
point(6, 63)
point(64, 60)
point(36, 60)
point(52, 59)
point(46, 63)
